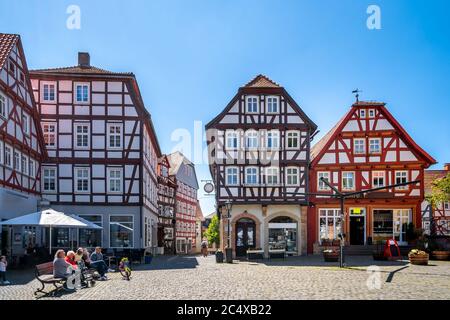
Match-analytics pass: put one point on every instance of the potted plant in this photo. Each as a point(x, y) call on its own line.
point(440, 254)
point(219, 256)
point(336, 242)
point(378, 254)
point(418, 257)
point(326, 242)
point(330, 255)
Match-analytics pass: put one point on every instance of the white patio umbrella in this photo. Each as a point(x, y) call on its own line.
point(51, 219)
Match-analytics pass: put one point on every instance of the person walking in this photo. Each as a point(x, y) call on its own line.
point(3, 265)
point(204, 246)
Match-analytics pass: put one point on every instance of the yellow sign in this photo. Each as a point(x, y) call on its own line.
point(356, 211)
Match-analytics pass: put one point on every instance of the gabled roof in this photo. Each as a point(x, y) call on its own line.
point(323, 144)
point(7, 42)
point(74, 70)
point(261, 81)
point(177, 160)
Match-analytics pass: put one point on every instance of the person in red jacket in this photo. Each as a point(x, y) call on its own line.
point(70, 258)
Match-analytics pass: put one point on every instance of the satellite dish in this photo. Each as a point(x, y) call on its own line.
point(208, 187)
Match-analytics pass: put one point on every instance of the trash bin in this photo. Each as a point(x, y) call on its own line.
point(219, 257)
point(229, 255)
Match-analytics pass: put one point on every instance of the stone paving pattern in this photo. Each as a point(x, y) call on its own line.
point(189, 277)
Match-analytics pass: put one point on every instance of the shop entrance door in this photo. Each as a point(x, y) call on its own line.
point(357, 226)
point(245, 236)
point(401, 218)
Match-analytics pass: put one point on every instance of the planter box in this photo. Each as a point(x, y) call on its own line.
point(255, 254)
point(331, 257)
point(419, 259)
point(440, 255)
point(277, 254)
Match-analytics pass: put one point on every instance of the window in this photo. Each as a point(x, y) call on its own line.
point(329, 223)
point(49, 131)
point(115, 179)
point(232, 140)
point(12, 66)
point(26, 123)
point(292, 139)
point(371, 113)
point(272, 176)
point(82, 135)
point(121, 231)
point(16, 161)
point(49, 92)
point(31, 168)
point(3, 105)
point(82, 179)
point(348, 180)
point(251, 139)
point(375, 145)
point(232, 176)
point(320, 184)
point(21, 77)
point(251, 175)
point(49, 179)
point(115, 135)
point(91, 238)
point(401, 177)
point(252, 104)
point(82, 93)
point(272, 105)
point(24, 164)
point(359, 146)
point(292, 176)
point(362, 113)
point(8, 152)
point(378, 179)
point(273, 140)
point(446, 205)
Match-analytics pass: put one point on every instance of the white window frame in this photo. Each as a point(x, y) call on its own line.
point(24, 164)
point(17, 161)
point(228, 174)
point(49, 85)
point(247, 104)
point(75, 92)
point(8, 156)
point(446, 205)
point(377, 175)
point(247, 175)
point(353, 180)
point(355, 151)
point(31, 168)
point(371, 113)
point(335, 215)
point(251, 135)
point(320, 185)
point(26, 123)
point(272, 172)
point(55, 177)
point(406, 179)
point(109, 229)
point(1, 153)
point(76, 179)
point(273, 134)
point(235, 135)
point(76, 134)
point(269, 102)
point(120, 179)
point(3, 105)
point(370, 146)
point(48, 133)
point(115, 134)
point(292, 134)
point(362, 113)
point(290, 174)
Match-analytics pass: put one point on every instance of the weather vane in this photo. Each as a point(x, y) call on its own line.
point(356, 92)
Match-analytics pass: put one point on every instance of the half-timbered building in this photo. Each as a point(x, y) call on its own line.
point(21, 147)
point(167, 188)
point(259, 148)
point(186, 201)
point(102, 154)
point(436, 219)
point(367, 148)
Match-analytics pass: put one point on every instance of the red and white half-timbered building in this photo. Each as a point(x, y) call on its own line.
point(21, 145)
point(259, 148)
point(102, 154)
point(367, 148)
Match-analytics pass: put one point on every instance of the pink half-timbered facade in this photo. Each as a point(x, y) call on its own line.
point(102, 153)
point(367, 148)
point(259, 148)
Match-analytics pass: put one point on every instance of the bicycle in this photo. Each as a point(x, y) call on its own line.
point(124, 268)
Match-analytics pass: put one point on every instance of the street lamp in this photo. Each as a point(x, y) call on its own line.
point(228, 249)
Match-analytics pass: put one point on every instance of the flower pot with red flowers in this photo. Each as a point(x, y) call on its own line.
point(418, 257)
point(330, 255)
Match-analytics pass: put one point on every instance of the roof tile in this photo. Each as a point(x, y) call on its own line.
point(7, 42)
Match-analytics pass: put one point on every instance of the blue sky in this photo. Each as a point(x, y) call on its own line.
point(190, 57)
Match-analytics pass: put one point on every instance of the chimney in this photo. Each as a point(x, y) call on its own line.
point(447, 166)
point(84, 60)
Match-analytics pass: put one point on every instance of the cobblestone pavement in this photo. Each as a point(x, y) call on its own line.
point(189, 277)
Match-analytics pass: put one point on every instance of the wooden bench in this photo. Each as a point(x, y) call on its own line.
point(44, 274)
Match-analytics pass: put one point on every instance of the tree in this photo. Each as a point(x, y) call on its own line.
point(213, 233)
point(440, 191)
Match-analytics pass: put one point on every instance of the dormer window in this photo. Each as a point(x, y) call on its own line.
point(252, 104)
point(272, 104)
point(371, 113)
point(362, 113)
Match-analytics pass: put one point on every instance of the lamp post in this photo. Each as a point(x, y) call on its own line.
point(228, 249)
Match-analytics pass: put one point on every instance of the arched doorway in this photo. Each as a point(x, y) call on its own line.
point(283, 235)
point(245, 236)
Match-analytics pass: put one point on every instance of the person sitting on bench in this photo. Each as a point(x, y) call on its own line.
point(60, 265)
point(70, 258)
point(98, 263)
